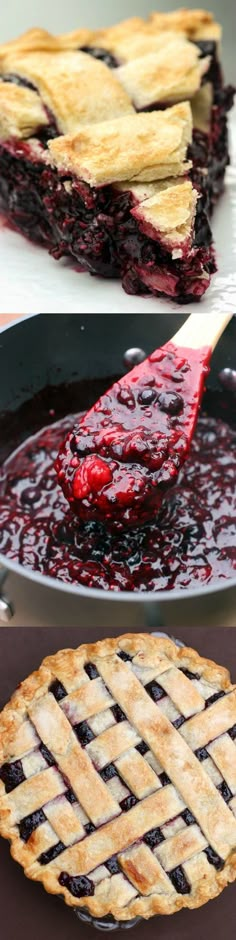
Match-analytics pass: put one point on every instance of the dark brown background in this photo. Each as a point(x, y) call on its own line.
point(26, 911)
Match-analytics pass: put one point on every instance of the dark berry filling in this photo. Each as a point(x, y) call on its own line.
point(113, 865)
point(89, 828)
point(12, 775)
point(91, 670)
point(190, 675)
point(70, 796)
point(232, 733)
point(102, 54)
point(154, 690)
point(17, 80)
point(125, 656)
point(213, 858)
point(47, 755)
point(108, 772)
point(46, 857)
point(178, 722)
point(153, 837)
point(79, 886)
point(214, 698)
point(201, 753)
point(179, 881)
point(118, 714)
point(128, 802)
point(189, 543)
point(142, 748)
point(225, 791)
point(84, 733)
point(30, 823)
point(164, 779)
point(188, 817)
point(58, 690)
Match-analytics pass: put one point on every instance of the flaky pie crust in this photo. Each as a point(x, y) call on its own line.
point(67, 666)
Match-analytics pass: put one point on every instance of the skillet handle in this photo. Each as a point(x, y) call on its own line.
point(6, 607)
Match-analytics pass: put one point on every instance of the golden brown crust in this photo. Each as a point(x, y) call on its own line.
point(21, 111)
point(196, 24)
point(144, 869)
point(39, 40)
point(154, 145)
point(75, 87)
point(169, 214)
point(172, 74)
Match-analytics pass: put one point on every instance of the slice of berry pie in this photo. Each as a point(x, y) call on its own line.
point(80, 115)
point(118, 777)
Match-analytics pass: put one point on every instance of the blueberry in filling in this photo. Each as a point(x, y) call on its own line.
point(79, 886)
point(84, 733)
point(12, 775)
point(201, 753)
point(179, 881)
point(153, 837)
point(101, 54)
point(91, 670)
point(128, 802)
point(18, 80)
point(118, 714)
point(108, 772)
point(89, 828)
point(188, 817)
point(58, 690)
point(190, 675)
point(46, 857)
point(113, 865)
point(164, 779)
point(125, 656)
point(70, 796)
point(178, 722)
point(213, 858)
point(30, 823)
point(214, 698)
point(155, 691)
point(47, 755)
point(225, 791)
point(142, 748)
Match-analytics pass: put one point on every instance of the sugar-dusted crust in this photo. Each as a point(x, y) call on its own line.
point(169, 214)
point(152, 145)
point(173, 73)
point(150, 654)
point(21, 111)
point(67, 81)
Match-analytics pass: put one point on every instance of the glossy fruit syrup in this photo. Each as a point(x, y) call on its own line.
point(191, 543)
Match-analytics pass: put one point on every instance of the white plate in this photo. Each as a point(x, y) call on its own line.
point(32, 282)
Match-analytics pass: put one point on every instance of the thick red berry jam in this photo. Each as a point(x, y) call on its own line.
point(192, 541)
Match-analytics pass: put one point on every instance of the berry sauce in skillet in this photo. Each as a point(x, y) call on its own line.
point(190, 543)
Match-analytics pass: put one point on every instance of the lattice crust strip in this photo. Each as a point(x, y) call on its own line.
point(118, 776)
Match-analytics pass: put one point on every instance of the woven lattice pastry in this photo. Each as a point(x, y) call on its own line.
point(71, 131)
point(118, 777)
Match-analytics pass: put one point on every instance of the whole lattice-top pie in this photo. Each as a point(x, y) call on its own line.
point(113, 148)
point(118, 777)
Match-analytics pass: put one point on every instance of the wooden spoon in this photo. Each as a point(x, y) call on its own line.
point(117, 464)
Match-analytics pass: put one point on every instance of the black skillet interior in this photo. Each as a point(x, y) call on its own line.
point(59, 353)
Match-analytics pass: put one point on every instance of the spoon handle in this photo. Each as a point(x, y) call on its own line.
point(201, 329)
